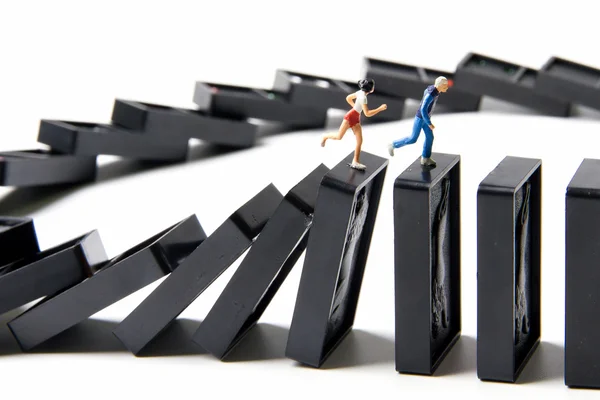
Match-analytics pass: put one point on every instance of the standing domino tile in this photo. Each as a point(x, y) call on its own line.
point(336, 257)
point(263, 271)
point(582, 306)
point(509, 202)
point(427, 264)
point(198, 271)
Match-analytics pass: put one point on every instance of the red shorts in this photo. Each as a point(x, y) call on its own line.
point(353, 117)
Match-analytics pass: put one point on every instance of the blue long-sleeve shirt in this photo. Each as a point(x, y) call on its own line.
point(430, 96)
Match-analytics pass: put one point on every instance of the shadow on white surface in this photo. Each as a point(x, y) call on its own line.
point(199, 151)
point(263, 342)
point(578, 111)
point(26, 200)
point(462, 358)
point(175, 340)
point(89, 336)
point(546, 364)
point(491, 104)
point(361, 348)
point(8, 344)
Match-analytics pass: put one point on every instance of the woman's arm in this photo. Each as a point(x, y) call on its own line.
point(350, 99)
point(370, 113)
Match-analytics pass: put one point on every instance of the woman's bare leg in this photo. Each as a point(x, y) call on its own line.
point(336, 136)
point(357, 129)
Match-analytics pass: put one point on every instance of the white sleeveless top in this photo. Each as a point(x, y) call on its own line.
point(361, 98)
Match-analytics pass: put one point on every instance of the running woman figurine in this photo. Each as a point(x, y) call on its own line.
point(423, 121)
point(358, 102)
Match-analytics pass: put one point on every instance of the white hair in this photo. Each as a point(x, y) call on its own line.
point(441, 80)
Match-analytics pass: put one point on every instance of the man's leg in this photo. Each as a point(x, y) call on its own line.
point(418, 124)
point(426, 155)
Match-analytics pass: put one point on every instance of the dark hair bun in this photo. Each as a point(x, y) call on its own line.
point(366, 85)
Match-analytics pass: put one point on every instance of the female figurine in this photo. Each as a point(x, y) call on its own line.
point(358, 102)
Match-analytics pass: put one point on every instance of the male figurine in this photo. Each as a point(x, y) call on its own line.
point(423, 121)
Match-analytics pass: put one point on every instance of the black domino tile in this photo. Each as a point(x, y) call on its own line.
point(18, 239)
point(310, 90)
point(336, 256)
point(427, 264)
point(487, 76)
point(582, 306)
point(570, 81)
point(263, 270)
point(324, 93)
point(44, 167)
point(409, 81)
point(199, 270)
point(245, 102)
point(116, 279)
point(183, 124)
point(508, 268)
point(455, 98)
point(50, 271)
point(90, 139)
point(395, 105)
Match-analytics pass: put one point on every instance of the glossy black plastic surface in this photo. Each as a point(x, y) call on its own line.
point(410, 81)
point(198, 271)
point(324, 93)
point(42, 167)
point(582, 307)
point(90, 139)
point(487, 76)
point(50, 271)
point(508, 268)
point(245, 102)
point(116, 279)
point(427, 237)
point(182, 124)
point(263, 270)
point(338, 247)
point(570, 81)
point(395, 105)
point(308, 90)
point(18, 239)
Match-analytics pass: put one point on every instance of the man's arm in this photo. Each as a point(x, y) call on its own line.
point(426, 102)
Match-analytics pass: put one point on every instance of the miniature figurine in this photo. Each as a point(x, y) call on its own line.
point(423, 121)
point(358, 102)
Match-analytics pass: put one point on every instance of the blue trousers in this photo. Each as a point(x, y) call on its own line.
point(417, 126)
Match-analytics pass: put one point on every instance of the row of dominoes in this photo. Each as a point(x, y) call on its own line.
point(228, 115)
point(509, 236)
point(76, 279)
point(339, 208)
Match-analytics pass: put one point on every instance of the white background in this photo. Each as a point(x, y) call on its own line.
point(69, 60)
